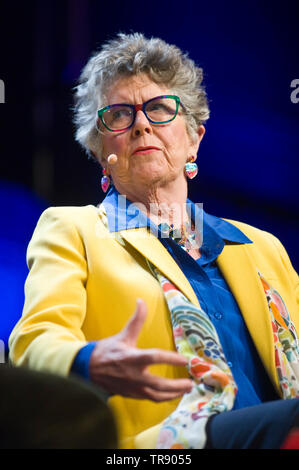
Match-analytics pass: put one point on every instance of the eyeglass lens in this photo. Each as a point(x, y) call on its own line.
point(158, 110)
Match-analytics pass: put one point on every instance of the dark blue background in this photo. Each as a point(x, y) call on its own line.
point(248, 160)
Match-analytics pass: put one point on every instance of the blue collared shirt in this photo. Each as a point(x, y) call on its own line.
point(211, 289)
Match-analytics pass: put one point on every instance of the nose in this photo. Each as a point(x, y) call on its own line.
point(141, 125)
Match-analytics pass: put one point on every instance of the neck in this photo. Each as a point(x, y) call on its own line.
point(165, 203)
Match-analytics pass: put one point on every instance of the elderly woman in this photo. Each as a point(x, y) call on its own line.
point(186, 322)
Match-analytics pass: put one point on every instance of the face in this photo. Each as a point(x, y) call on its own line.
point(148, 154)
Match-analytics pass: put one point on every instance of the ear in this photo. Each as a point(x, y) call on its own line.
point(99, 159)
point(195, 143)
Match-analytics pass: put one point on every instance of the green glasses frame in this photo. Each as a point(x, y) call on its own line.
point(139, 107)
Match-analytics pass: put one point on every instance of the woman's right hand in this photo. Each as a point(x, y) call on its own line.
point(119, 367)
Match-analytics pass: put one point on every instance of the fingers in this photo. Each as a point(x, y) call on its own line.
point(119, 367)
point(157, 396)
point(161, 384)
point(159, 356)
point(131, 331)
point(148, 387)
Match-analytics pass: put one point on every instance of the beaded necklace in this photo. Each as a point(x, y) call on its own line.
point(186, 236)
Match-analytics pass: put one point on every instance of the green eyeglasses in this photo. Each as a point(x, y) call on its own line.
point(158, 110)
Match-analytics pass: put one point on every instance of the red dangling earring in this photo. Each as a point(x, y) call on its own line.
point(191, 168)
point(105, 181)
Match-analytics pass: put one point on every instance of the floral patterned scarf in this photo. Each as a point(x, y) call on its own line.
point(214, 389)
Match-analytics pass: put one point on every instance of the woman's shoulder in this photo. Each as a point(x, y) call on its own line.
point(69, 218)
point(69, 211)
point(75, 214)
point(253, 232)
point(263, 241)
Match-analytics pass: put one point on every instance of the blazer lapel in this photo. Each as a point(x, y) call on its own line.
point(241, 275)
point(150, 247)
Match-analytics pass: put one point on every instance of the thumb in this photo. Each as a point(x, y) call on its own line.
point(132, 329)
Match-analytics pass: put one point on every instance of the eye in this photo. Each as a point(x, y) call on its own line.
point(161, 107)
point(156, 107)
point(121, 113)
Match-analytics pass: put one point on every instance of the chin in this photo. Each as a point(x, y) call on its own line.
point(152, 177)
point(151, 172)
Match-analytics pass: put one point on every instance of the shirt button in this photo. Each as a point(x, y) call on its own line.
point(218, 315)
point(230, 364)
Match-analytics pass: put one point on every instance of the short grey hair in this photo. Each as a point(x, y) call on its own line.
point(128, 55)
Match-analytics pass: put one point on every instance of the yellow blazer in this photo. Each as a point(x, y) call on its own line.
point(83, 285)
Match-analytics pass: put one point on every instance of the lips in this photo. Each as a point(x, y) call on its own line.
point(148, 149)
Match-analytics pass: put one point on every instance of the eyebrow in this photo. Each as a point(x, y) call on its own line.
point(132, 104)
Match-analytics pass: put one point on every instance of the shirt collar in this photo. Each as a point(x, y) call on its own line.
point(122, 214)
